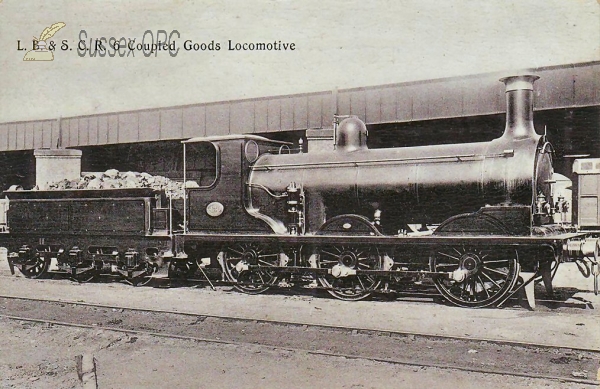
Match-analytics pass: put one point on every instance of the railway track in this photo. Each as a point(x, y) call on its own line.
point(519, 359)
point(351, 329)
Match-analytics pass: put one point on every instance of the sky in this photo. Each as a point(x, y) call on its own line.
point(339, 44)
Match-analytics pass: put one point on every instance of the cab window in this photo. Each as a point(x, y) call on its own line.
point(201, 163)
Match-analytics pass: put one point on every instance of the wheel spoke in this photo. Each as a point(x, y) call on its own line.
point(490, 278)
point(331, 254)
point(495, 271)
point(361, 283)
point(449, 256)
point(483, 286)
point(261, 277)
point(240, 253)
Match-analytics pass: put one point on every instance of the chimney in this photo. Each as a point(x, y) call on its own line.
point(519, 107)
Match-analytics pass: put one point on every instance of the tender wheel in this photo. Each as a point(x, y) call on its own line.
point(236, 260)
point(36, 268)
point(343, 261)
point(480, 278)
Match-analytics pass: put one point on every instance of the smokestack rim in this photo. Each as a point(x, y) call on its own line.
point(520, 82)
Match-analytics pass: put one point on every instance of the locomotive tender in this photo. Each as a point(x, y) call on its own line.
point(474, 217)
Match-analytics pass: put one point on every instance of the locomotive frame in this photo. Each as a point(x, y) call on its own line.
point(264, 215)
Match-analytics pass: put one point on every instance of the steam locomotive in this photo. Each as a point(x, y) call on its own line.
point(474, 217)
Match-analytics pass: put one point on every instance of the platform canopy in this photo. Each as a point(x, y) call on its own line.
point(564, 86)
